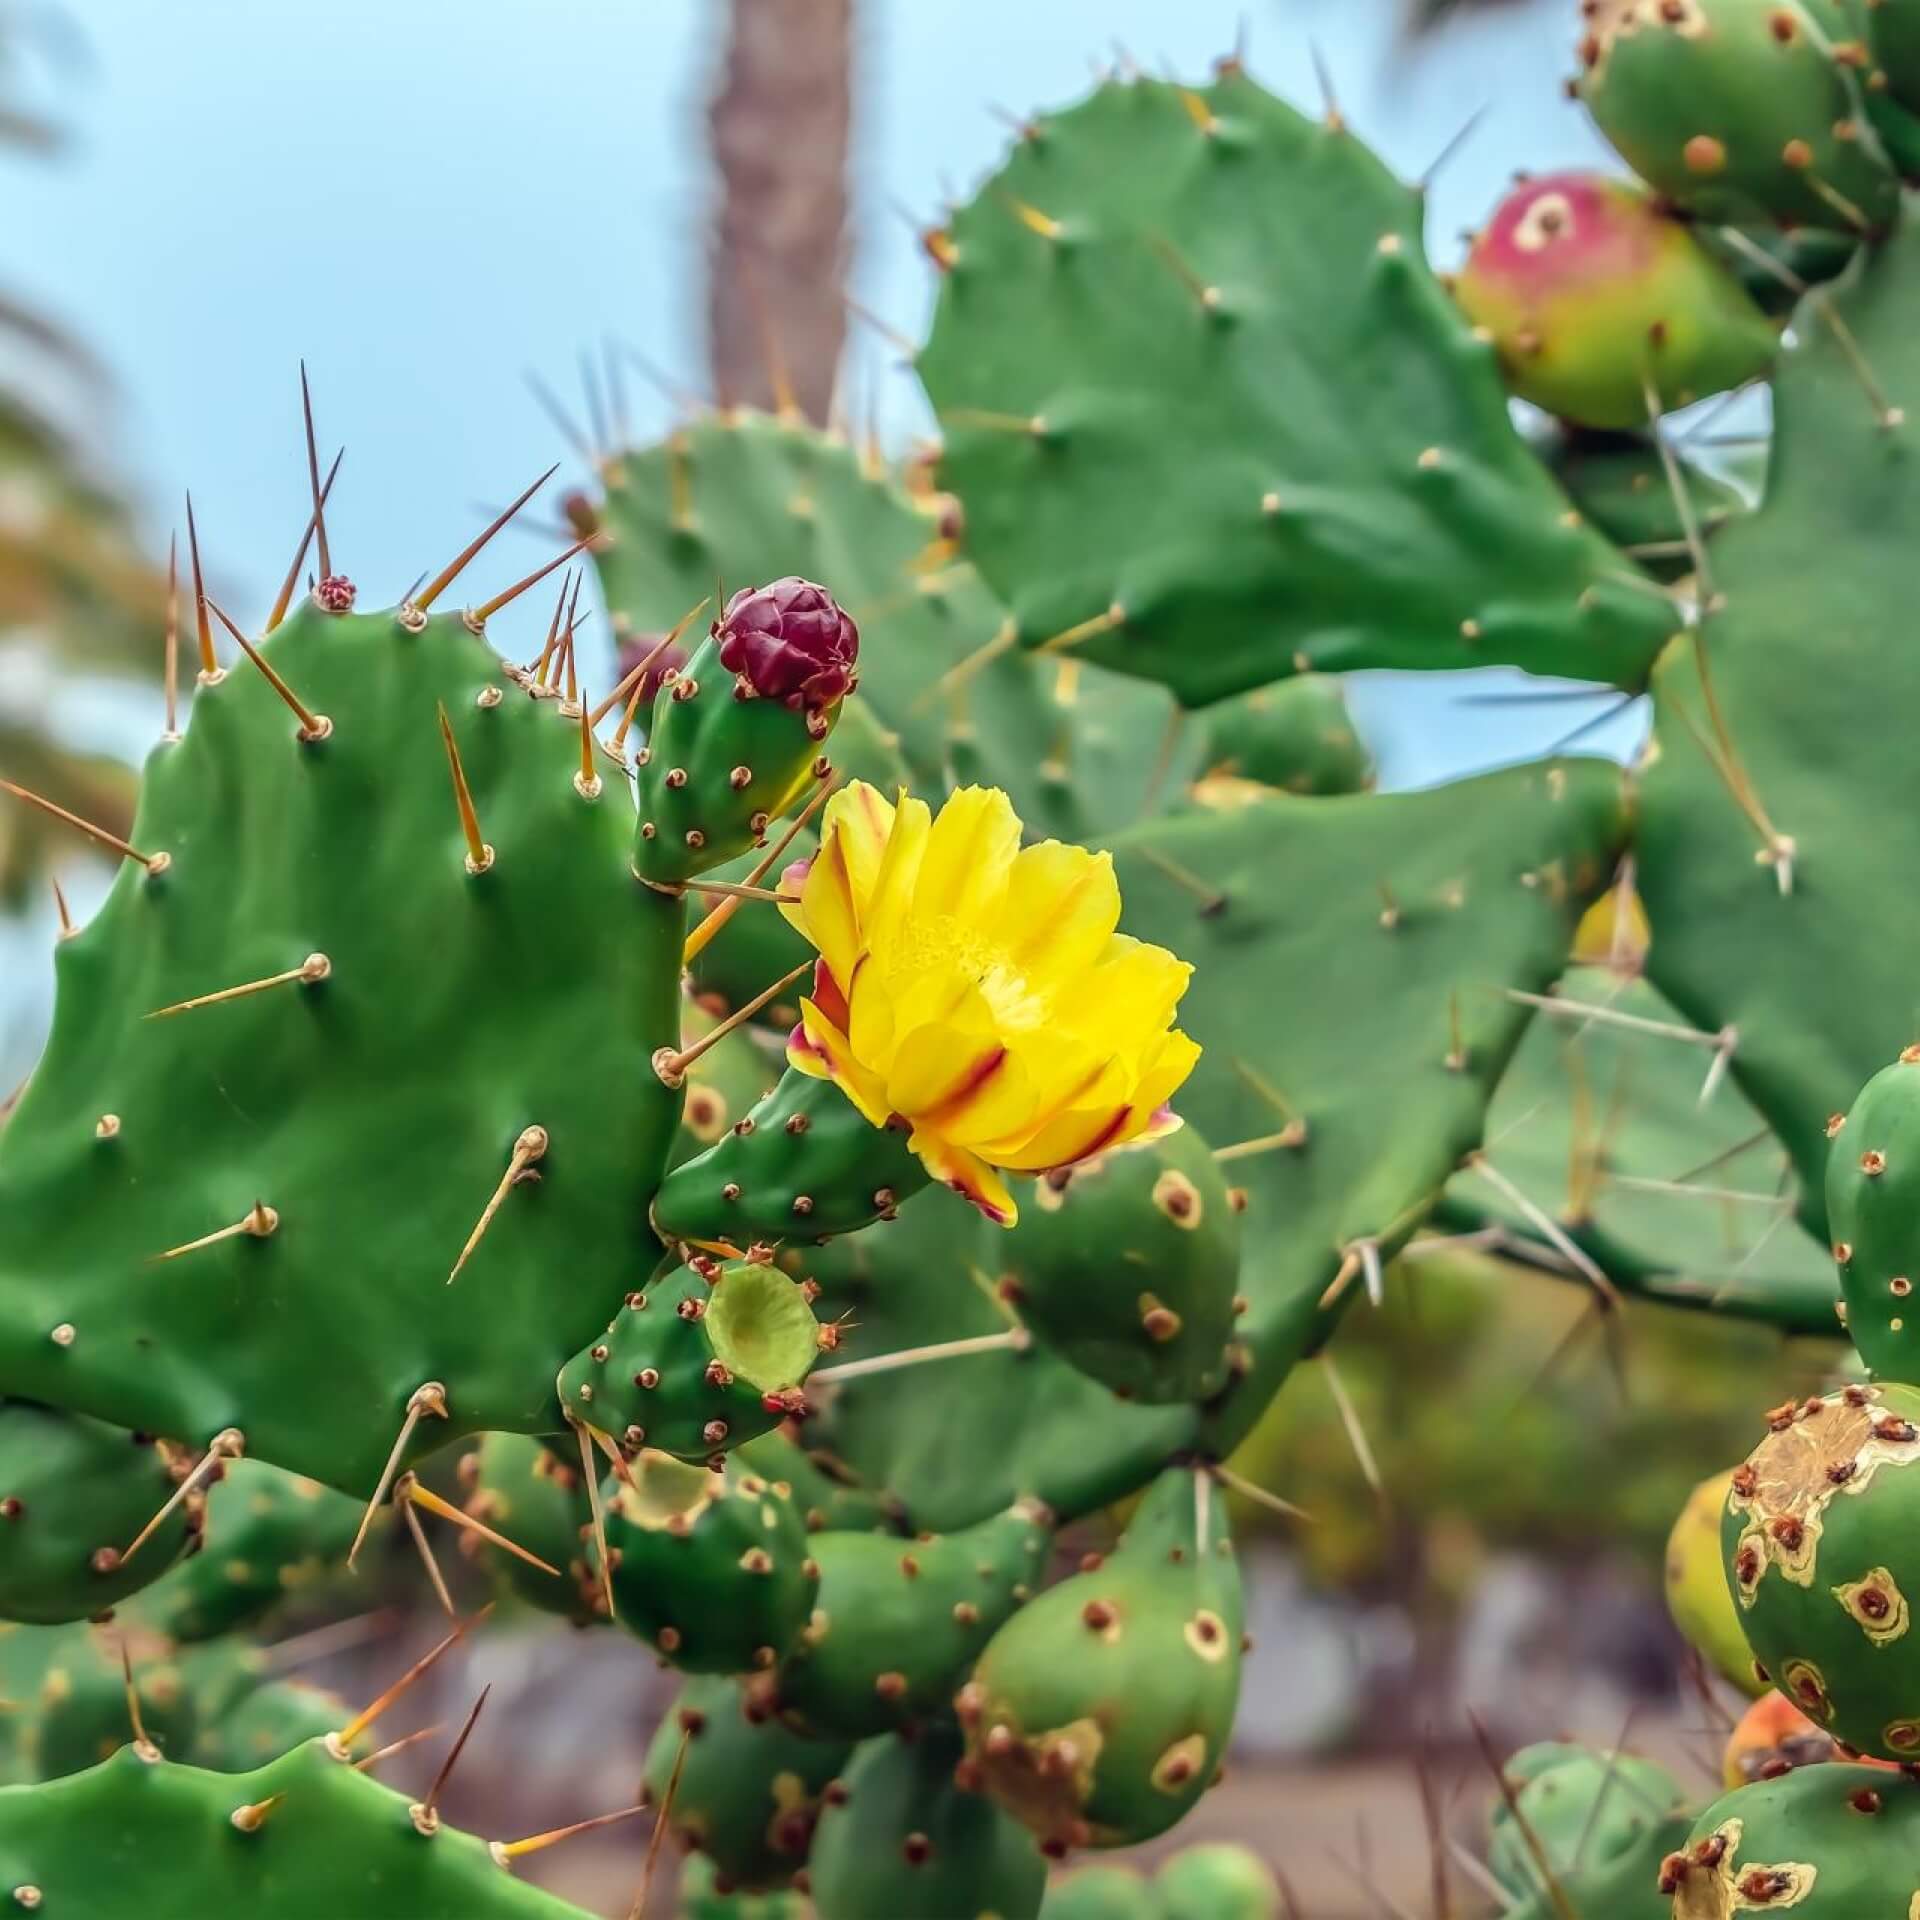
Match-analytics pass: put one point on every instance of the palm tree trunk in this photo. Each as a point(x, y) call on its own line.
point(779, 126)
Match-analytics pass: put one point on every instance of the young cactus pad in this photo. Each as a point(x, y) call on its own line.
point(1823, 1555)
point(243, 1212)
point(1099, 1713)
point(1345, 488)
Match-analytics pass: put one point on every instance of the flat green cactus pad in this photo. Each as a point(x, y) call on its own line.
point(1768, 837)
point(1602, 1127)
point(1211, 414)
point(130, 1838)
point(746, 497)
point(315, 1155)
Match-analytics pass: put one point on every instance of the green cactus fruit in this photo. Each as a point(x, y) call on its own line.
point(700, 1897)
point(82, 1711)
point(1101, 1893)
point(530, 1491)
point(74, 1494)
point(1129, 1265)
point(266, 1722)
point(1893, 37)
point(269, 1536)
point(320, 1157)
point(1582, 1808)
point(1218, 1882)
point(730, 1074)
point(1145, 256)
point(898, 1622)
point(703, 1359)
point(1822, 1552)
point(1605, 309)
point(1824, 1843)
point(1297, 736)
point(303, 1838)
point(709, 1567)
point(1697, 1594)
point(750, 1789)
point(1099, 1714)
point(803, 1163)
point(898, 1836)
point(1737, 111)
point(740, 732)
point(1874, 1158)
point(1628, 1887)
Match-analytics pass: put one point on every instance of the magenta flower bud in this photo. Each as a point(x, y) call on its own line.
point(336, 593)
point(789, 641)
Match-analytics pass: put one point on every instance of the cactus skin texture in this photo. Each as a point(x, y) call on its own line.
point(750, 1788)
point(710, 1568)
point(803, 1163)
point(1737, 110)
point(1822, 1555)
point(899, 1622)
point(268, 1721)
point(267, 1536)
point(899, 1837)
point(1099, 1714)
point(1217, 1882)
point(699, 1897)
point(1875, 1224)
point(1585, 1809)
point(131, 1838)
point(362, 1118)
point(698, 1362)
point(1698, 1598)
point(1824, 1843)
point(1603, 308)
point(73, 1493)
point(1195, 220)
point(1128, 1264)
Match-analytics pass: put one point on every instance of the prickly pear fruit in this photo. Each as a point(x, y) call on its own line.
point(534, 1495)
point(898, 1622)
point(750, 1788)
point(701, 1897)
point(709, 1567)
point(1826, 1843)
point(1823, 1551)
point(899, 1837)
point(804, 1163)
point(302, 1835)
point(1101, 1893)
point(1603, 308)
point(1582, 1807)
point(269, 1534)
point(74, 1494)
point(1772, 1737)
point(1099, 1714)
point(1697, 1595)
point(698, 1362)
point(1128, 1265)
point(1218, 1882)
point(1738, 111)
point(741, 730)
point(1874, 1159)
point(1296, 735)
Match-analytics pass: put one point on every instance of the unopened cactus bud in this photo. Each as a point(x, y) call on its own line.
point(790, 641)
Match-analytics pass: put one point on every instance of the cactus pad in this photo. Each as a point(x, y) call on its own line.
point(1875, 1225)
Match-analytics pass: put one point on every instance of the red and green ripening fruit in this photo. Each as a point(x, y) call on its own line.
point(1602, 306)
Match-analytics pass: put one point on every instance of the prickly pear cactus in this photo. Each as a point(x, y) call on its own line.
point(1698, 1596)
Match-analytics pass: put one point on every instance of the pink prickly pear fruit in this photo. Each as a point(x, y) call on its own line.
point(1603, 307)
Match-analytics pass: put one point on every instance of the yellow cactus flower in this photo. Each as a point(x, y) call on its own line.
point(978, 991)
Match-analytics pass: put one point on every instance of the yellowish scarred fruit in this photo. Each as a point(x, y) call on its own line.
point(1603, 308)
point(1697, 1594)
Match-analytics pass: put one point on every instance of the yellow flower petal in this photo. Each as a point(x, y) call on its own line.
point(893, 884)
point(853, 838)
point(967, 1086)
point(966, 1173)
point(969, 858)
point(1062, 906)
point(818, 1036)
point(1131, 992)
